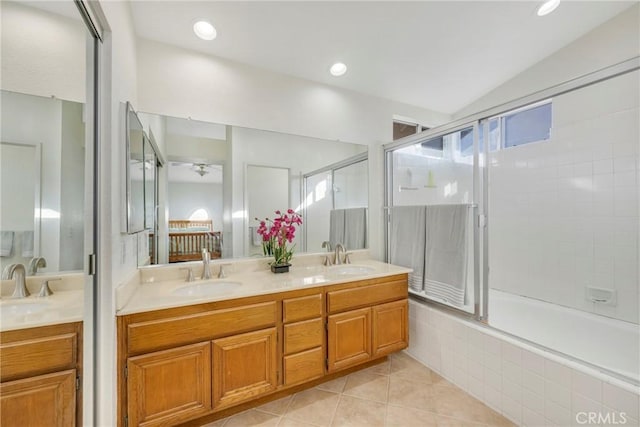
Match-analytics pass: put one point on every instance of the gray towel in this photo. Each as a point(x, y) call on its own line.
point(355, 228)
point(446, 253)
point(27, 244)
point(6, 243)
point(408, 241)
point(336, 227)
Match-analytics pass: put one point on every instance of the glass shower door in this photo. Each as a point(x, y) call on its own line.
point(432, 184)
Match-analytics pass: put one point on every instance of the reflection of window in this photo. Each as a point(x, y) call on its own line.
point(199, 214)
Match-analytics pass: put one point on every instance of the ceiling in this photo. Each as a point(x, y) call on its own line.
point(436, 55)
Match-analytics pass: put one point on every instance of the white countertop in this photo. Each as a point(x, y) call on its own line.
point(64, 306)
point(154, 294)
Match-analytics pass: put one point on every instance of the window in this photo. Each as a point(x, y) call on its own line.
point(402, 129)
point(527, 126)
point(517, 127)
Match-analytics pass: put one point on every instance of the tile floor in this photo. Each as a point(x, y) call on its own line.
point(399, 392)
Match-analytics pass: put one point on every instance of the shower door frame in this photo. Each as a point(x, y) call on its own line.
point(480, 180)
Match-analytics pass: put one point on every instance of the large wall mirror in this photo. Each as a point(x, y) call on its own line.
point(42, 140)
point(47, 206)
point(219, 178)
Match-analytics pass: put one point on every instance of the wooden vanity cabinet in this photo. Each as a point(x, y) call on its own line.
point(184, 363)
point(365, 325)
point(40, 370)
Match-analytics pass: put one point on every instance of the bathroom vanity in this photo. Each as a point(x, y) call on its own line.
point(41, 354)
point(268, 336)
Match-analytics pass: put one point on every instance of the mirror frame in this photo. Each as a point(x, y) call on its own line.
point(129, 113)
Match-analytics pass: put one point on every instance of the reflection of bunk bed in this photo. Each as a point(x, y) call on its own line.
point(187, 238)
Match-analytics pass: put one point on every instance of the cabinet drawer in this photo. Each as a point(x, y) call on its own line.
point(302, 335)
point(36, 356)
point(363, 296)
point(302, 308)
point(303, 366)
point(165, 333)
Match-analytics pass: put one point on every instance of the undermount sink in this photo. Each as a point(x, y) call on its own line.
point(350, 270)
point(13, 309)
point(207, 289)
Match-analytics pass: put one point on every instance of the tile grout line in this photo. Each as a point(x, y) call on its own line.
point(335, 411)
point(386, 406)
point(286, 409)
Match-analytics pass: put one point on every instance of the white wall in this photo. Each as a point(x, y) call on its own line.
point(564, 212)
point(185, 198)
point(614, 41)
point(181, 83)
point(45, 57)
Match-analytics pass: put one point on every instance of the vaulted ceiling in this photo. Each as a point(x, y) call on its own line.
point(440, 55)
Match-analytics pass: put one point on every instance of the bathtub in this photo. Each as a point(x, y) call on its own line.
point(597, 340)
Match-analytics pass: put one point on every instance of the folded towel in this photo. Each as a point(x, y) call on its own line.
point(355, 228)
point(6, 243)
point(336, 227)
point(27, 244)
point(446, 253)
point(408, 241)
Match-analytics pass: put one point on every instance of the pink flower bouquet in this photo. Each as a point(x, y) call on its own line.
point(277, 234)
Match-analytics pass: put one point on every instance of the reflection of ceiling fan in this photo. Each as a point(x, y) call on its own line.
point(201, 168)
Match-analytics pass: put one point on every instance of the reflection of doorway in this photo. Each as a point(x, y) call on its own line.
point(267, 190)
point(195, 204)
point(20, 193)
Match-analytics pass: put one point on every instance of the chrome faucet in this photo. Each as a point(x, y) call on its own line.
point(339, 247)
point(327, 259)
point(34, 264)
point(206, 268)
point(16, 271)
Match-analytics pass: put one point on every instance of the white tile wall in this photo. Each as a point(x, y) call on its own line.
point(558, 208)
point(529, 386)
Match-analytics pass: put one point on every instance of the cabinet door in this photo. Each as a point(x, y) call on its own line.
point(349, 338)
point(45, 400)
point(390, 330)
point(244, 366)
point(170, 386)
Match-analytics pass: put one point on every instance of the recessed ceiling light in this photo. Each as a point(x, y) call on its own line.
point(548, 7)
point(204, 30)
point(338, 69)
